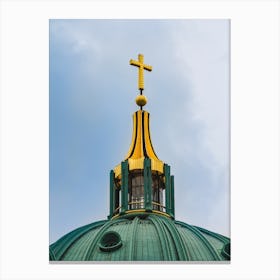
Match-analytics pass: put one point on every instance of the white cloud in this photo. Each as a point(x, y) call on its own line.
point(203, 60)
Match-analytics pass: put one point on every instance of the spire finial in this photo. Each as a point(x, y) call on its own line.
point(141, 99)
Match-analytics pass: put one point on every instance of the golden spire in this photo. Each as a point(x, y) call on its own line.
point(140, 64)
point(141, 145)
point(141, 181)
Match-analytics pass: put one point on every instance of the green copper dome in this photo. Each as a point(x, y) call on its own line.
point(141, 224)
point(146, 237)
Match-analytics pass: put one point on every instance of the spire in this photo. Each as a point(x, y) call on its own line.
point(141, 182)
point(141, 145)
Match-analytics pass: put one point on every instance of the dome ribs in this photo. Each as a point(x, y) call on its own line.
point(204, 241)
point(51, 255)
point(177, 240)
point(165, 240)
point(131, 254)
point(61, 246)
point(222, 238)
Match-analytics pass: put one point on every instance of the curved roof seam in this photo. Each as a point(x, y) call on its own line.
point(222, 238)
point(162, 238)
point(133, 234)
point(72, 237)
point(177, 239)
point(213, 252)
point(172, 253)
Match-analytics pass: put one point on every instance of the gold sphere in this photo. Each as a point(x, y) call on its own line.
point(141, 100)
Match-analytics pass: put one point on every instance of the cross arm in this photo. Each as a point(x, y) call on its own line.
point(134, 62)
point(148, 67)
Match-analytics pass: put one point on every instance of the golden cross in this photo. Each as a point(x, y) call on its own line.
point(140, 64)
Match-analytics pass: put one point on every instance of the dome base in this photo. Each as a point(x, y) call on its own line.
point(141, 237)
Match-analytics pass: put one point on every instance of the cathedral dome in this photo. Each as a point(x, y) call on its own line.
point(141, 224)
point(145, 237)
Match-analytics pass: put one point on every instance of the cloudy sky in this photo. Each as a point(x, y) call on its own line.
point(92, 93)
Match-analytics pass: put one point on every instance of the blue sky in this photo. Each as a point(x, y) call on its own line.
point(92, 93)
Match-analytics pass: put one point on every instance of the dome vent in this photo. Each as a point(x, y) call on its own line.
point(110, 241)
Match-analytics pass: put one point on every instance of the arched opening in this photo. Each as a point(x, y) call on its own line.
point(157, 191)
point(136, 190)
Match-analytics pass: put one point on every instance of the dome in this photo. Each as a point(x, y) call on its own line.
point(145, 237)
point(141, 224)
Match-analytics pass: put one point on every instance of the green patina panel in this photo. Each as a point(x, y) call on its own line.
point(112, 193)
point(167, 187)
point(124, 186)
point(172, 201)
point(148, 184)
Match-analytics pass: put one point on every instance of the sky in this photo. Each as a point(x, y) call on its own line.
point(92, 99)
